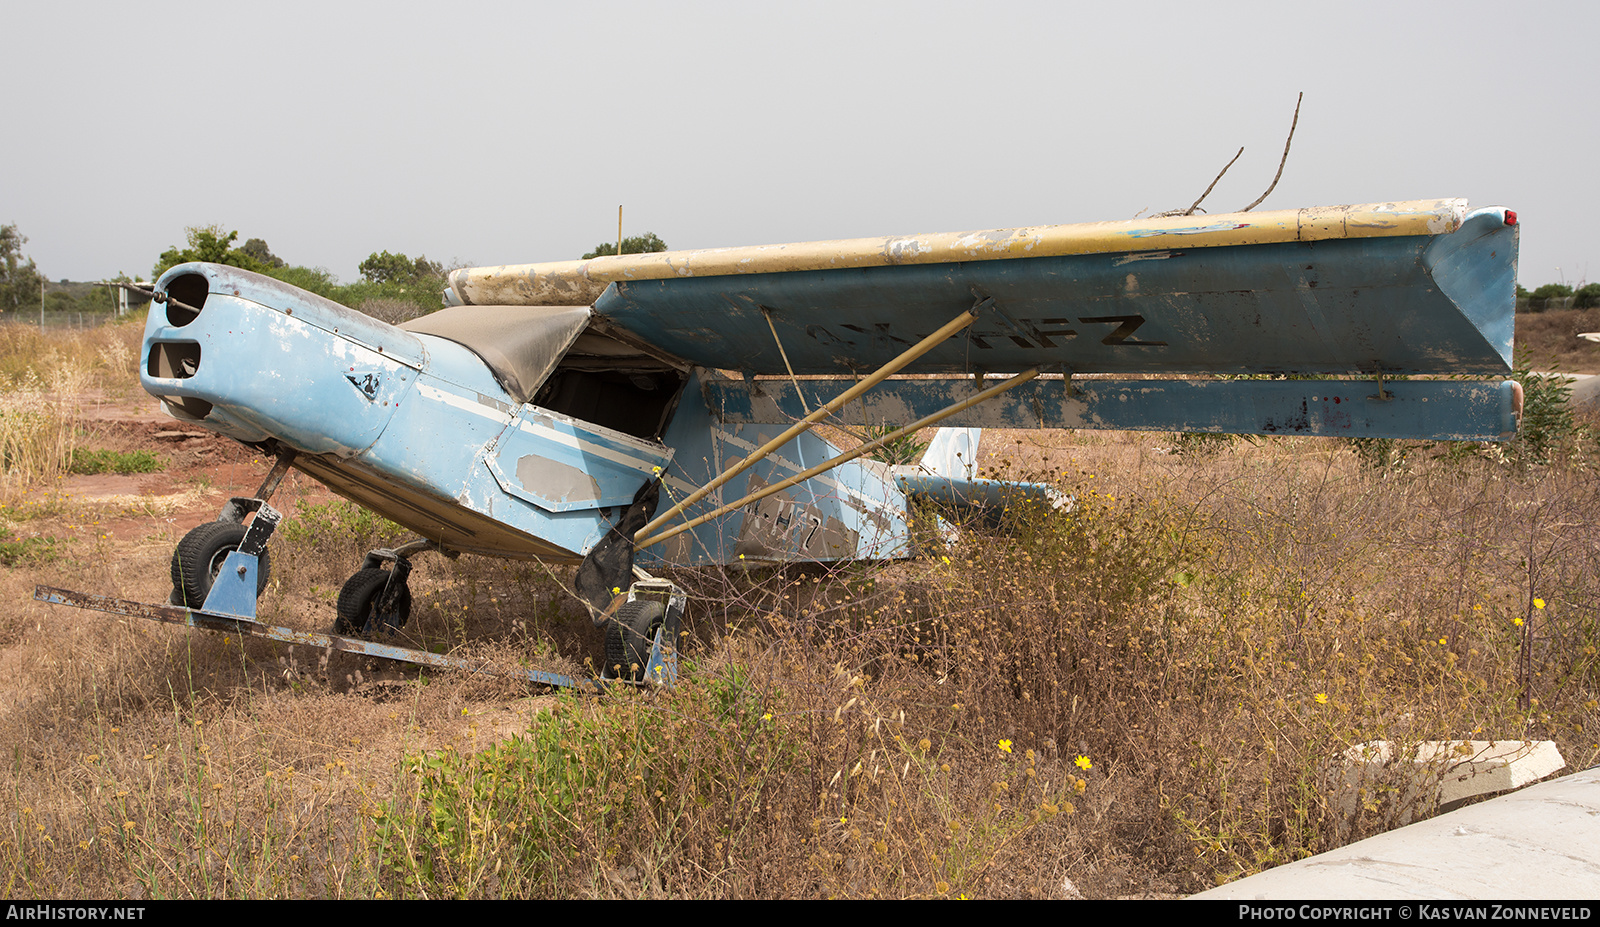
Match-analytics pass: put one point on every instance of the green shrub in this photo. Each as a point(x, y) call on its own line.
point(338, 521)
point(620, 781)
point(1547, 417)
point(906, 449)
point(105, 461)
point(723, 787)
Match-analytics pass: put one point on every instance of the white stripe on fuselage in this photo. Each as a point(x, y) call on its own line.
point(465, 404)
point(543, 432)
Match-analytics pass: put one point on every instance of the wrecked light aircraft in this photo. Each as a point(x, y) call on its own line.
point(646, 410)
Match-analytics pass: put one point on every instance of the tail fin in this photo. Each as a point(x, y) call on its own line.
point(953, 452)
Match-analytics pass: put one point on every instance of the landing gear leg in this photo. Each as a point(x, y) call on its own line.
point(198, 561)
point(607, 570)
point(375, 599)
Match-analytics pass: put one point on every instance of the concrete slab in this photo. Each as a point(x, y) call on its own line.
point(1542, 842)
point(1449, 771)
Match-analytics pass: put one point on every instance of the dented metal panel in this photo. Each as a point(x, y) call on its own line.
point(563, 464)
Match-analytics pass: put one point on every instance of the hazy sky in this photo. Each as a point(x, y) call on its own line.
point(501, 132)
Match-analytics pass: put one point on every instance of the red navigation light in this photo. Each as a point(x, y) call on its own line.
point(1511, 217)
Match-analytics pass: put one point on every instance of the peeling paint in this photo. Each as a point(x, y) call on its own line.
point(556, 481)
point(502, 407)
point(582, 282)
point(1440, 409)
point(1211, 229)
point(1143, 256)
point(905, 249)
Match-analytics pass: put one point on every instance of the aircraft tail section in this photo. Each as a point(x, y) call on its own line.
point(948, 476)
point(953, 452)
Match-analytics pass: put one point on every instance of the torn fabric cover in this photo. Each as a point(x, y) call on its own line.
point(521, 344)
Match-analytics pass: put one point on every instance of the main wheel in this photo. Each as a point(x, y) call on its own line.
point(361, 610)
point(628, 638)
point(200, 555)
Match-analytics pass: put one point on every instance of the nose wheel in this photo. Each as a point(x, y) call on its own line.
point(199, 557)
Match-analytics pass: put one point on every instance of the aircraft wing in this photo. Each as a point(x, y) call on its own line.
point(1392, 289)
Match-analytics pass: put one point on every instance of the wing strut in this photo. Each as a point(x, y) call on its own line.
point(846, 457)
point(882, 373)
point(767, 314)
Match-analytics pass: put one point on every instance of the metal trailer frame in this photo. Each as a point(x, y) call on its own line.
point(230, 607)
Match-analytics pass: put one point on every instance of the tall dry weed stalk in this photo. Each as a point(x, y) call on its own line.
point(39, 422)
point(45, 378)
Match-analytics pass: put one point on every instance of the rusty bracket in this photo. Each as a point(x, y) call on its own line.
point(237, 508)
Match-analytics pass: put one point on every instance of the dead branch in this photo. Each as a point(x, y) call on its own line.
point(1282, 160)
point(1191, 209)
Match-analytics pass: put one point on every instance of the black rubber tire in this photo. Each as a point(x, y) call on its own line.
point(358, 611)
point(200, 555)
point(629, 636)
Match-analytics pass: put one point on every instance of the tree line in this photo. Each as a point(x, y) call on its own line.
point(392, 287)
point(1556, 295)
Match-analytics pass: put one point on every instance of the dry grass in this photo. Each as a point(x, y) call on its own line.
point(1145, 695)
point(44, 379)
point(1551, 342)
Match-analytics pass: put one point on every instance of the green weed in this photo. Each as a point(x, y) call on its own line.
point(906, 449)
point(15, 551)
point(337, 522)
point(108, 461)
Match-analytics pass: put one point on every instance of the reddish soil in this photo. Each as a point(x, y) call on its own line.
point(202, 469)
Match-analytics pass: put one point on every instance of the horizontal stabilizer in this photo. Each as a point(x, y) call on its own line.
point(993, 496)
